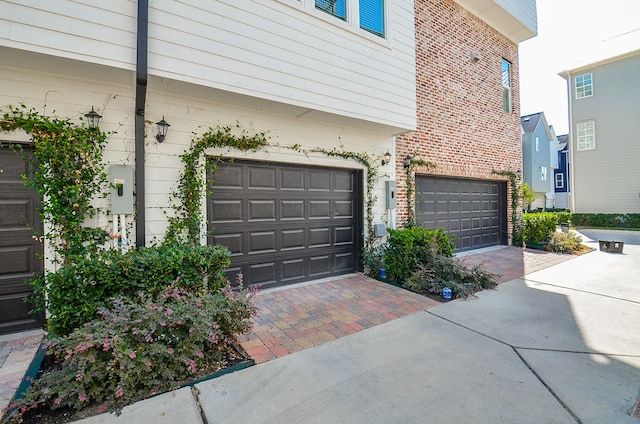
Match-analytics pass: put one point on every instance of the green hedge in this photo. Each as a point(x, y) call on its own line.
point(606, 220)
point(76, 291)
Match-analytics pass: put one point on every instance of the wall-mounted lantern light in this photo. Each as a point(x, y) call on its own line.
point(163, 128)
point(386, 158)
point(93, 118)
point(519, 174)
point(407, 161)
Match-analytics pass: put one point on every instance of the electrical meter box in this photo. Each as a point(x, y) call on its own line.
point(121, 183)
point(390, 194)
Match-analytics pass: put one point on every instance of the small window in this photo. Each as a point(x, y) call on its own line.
point(584, 86)
point(542, 171)
point(506, 86)
point(337, 8)
point(586, 135)
point(559, 180)
point(372, 16)
point(537, 144)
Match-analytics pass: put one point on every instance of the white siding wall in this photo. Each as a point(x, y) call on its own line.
point(278, 50)
point(607, 178)
point(71, 95)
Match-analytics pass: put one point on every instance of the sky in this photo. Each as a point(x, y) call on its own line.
point(566, 31)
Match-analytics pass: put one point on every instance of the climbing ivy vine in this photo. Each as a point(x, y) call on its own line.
point(68, 174)
point(185, 224)
point(411, 184)
point(515, 206)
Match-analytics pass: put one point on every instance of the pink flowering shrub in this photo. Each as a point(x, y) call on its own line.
point(137, 349)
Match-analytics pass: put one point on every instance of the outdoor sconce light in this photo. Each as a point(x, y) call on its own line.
point(93, 118)
point(407, 161)
point(519, 174)
point(386, 158)
point(163, 128)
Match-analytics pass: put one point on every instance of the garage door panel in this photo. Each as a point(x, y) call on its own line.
point(232, 241)
point(263, 273)
point(15, 212)
point(319, 209)
point(262, 210)
point(225, 211)
point(319, 181)
point(262, 242)
point(292, 179)
point(262, 178)
point(319, 237)
point(299, 228)
point(343, 209)
point(345, 261)
point(17, 259)
point(343, 236)
point(319, 265)
point(475, 210)
point(292, 209)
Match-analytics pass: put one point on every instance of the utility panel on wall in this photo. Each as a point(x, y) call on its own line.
point(121, 183)
point(390, 194)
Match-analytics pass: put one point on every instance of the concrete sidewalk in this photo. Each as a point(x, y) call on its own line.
point(561, 345)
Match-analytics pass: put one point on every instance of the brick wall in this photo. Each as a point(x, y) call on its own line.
point(461, 126)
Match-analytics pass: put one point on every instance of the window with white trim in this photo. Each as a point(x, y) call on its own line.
point(537, 144)
point(370, 13)
point(586, 135)
point(337, 8)
point(542, 173)
point(372, 16)
point(559, 180)
point(584, 86)
point(506, 86)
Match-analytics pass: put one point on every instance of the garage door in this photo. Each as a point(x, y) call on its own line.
point(20, 254)
point(285, 224)
point(475, 211)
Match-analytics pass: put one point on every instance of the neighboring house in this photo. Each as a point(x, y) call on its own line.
point(604, 106)
point(312, 74)
point(539, 158)
point(561, 174)
point(468, 117)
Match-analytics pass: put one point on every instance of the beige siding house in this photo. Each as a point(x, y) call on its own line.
point(604, 142)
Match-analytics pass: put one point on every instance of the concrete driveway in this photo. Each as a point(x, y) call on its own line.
point(561, 345)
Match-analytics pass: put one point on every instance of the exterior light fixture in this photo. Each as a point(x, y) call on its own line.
point(93, 118)
point(386, 158)
point(407, 161)
point(519, 174)
point(163, 128)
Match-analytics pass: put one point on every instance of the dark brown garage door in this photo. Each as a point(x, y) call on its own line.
point(20, 254)
point(285, 224)
point(475, 211)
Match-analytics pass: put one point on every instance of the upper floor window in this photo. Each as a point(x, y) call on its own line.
point(537, 144)
point(506, 86)
point(337, 8)
point(372, 16)
point(586, 132)
point(584, 86)
point(559, 180)
point(542, 173)
point(370, 13)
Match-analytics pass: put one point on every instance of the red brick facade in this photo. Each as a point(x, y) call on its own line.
point(461, 125)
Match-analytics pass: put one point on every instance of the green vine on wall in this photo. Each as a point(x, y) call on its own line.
point(185, 225)
point(515, 206)
point(411, 184)
point(68, 174)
